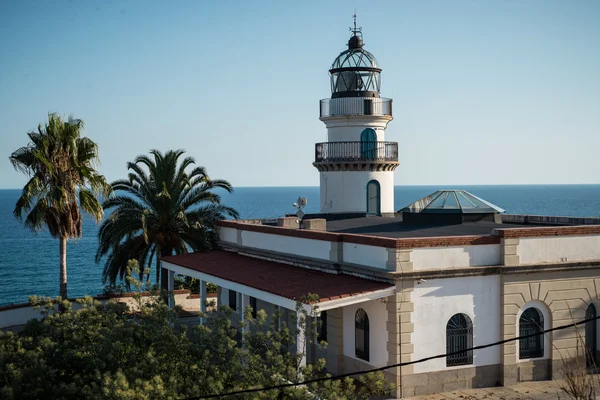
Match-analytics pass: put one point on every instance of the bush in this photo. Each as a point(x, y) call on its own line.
point(193, 284)
point(105, 351)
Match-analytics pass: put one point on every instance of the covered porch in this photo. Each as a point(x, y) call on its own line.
point(277, 288)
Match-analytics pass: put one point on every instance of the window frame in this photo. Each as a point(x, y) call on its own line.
point(362, 324)
point(459, 337)
point(377, 185)
point(533, 347)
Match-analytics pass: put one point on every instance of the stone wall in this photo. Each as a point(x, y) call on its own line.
point(451, 379)
point(565, 296)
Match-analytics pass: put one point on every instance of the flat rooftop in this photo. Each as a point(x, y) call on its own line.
point(395, 228)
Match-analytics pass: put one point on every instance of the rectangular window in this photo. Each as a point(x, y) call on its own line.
point(253, 305)
point(233, 300)
point(368, 107)
point(322, 327)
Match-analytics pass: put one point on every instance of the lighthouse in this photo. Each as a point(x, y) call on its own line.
point(356, 164)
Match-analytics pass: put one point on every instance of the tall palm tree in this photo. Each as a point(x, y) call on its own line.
point(63, 181)
point(159, 210)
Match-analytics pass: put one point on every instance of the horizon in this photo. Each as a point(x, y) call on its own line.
point(441, 186)
point(501, 93)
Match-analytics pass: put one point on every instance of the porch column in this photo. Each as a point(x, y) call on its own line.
point(243, 303)
point(219, 295)
point(171, 288)
point(301, 338)
point(203, 300)
point(277, 312)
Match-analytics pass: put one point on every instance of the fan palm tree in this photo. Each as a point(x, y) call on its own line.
point(63, 182)
point(159, 210)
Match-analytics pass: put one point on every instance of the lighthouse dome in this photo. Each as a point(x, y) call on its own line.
point(355, 58)
point(355, 72)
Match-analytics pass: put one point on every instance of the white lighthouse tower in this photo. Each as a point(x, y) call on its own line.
point(356, 163)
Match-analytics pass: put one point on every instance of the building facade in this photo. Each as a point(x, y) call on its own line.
point(445, 274)
point(393, 300)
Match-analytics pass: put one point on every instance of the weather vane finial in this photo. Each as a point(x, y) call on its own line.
point(355, 30)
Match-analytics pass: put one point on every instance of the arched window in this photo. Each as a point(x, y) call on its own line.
point(368, 144)
point(373, 198)
point(361, 334)
point(531, 323)
point(591, 334)
point(459, 338)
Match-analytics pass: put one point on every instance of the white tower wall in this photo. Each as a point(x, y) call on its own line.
point(346, 191)
point(349, 129)
point(357, 176)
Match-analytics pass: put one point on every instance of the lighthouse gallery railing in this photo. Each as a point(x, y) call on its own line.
point(343, 106)
point(356, 151)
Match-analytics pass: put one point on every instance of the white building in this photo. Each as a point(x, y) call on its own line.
point(446, 273)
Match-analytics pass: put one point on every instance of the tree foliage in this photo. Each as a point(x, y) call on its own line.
point(104, 351)
point(165, 206)
point(193, 284)
point(60, 164)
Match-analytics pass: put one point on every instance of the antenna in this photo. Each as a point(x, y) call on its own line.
point(356, 30)
point(299, 205)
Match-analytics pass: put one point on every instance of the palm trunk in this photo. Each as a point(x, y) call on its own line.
point(164, 275)
point(157, 264)
point(63, 267)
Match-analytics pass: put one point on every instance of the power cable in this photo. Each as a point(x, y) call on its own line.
point(349, 374)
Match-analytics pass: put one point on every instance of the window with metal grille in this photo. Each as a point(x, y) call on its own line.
point(459, 338)
point(233, 300)
point(322, 327)
point(361, 334)
point(253, 305)
point(531, 323)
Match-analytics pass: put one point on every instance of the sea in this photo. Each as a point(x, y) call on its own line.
point(29, 262)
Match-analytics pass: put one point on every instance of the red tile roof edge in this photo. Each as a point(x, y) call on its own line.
point(179, 260)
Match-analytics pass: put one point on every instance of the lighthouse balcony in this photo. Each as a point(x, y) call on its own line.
point(379, 155)
point(347, 106)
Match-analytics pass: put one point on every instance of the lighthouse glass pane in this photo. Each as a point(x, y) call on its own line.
point(355, 81)
point(355, 58)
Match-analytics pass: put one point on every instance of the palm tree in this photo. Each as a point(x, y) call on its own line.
point(158, 212)
point(63, 181)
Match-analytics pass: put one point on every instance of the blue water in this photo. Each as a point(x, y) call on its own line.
point(29, 261)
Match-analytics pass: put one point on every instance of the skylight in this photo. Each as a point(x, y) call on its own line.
point(452, 201)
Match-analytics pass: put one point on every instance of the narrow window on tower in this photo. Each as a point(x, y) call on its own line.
point(373, 198)
point(368, 107)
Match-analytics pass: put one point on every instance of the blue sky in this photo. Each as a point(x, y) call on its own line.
point(485, 92)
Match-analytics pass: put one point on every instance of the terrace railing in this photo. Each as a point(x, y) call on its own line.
point(356, 152)
point(344, 106)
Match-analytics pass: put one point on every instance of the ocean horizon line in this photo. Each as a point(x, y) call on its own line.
point(441, 185)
